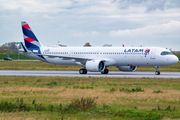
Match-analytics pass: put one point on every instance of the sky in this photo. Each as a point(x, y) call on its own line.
point(99, 22)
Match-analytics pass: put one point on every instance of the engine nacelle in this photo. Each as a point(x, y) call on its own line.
point(127, 68)
point(95, 66)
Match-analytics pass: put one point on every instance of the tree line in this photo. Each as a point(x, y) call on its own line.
point(11, 47)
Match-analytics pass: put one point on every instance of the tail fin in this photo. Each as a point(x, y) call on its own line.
point(30, 40)
point(24, 48)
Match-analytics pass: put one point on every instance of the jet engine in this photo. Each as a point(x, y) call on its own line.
point(95, 66)
point(127, 68)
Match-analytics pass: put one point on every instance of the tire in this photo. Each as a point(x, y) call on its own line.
point(81, 71)
point(106, 71)
point(85, 71)
point(157, 72)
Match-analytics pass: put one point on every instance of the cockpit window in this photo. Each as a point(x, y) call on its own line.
point(166, 53)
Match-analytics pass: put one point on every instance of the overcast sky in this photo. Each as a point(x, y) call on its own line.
point(75, 22)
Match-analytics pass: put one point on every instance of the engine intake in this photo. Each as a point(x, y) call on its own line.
point(95, 66)
point(127, 68)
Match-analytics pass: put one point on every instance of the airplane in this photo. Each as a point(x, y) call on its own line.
point(96, 59)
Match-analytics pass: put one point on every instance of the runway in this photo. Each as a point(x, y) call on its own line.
point(116, 74)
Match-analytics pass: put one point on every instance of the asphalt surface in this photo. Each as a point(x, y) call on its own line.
point(89, 74)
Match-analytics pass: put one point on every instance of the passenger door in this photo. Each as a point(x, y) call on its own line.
point(153, 54)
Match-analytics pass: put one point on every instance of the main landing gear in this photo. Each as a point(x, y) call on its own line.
point(157, 70)
point(83, 71)
point(106, 71)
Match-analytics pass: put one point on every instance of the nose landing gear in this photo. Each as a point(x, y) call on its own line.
point(157, 70)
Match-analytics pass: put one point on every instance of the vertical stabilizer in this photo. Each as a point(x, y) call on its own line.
point(30, 40)
point(24, 48)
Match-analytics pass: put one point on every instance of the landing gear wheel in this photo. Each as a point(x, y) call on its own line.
point(83, 71)
point(157, 72)
point(106, 71)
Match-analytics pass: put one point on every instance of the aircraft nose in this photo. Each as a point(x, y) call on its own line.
point(175, 59)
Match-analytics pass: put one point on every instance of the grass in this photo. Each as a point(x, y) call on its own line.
point(147, 98)
point(14, 56)
point(137, 89)
point(37, 65)
point(157, 91)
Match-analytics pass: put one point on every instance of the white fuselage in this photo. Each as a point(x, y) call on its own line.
point(114, 56)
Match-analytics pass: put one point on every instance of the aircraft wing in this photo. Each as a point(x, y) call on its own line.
point(67, 57)
point(82, 60)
